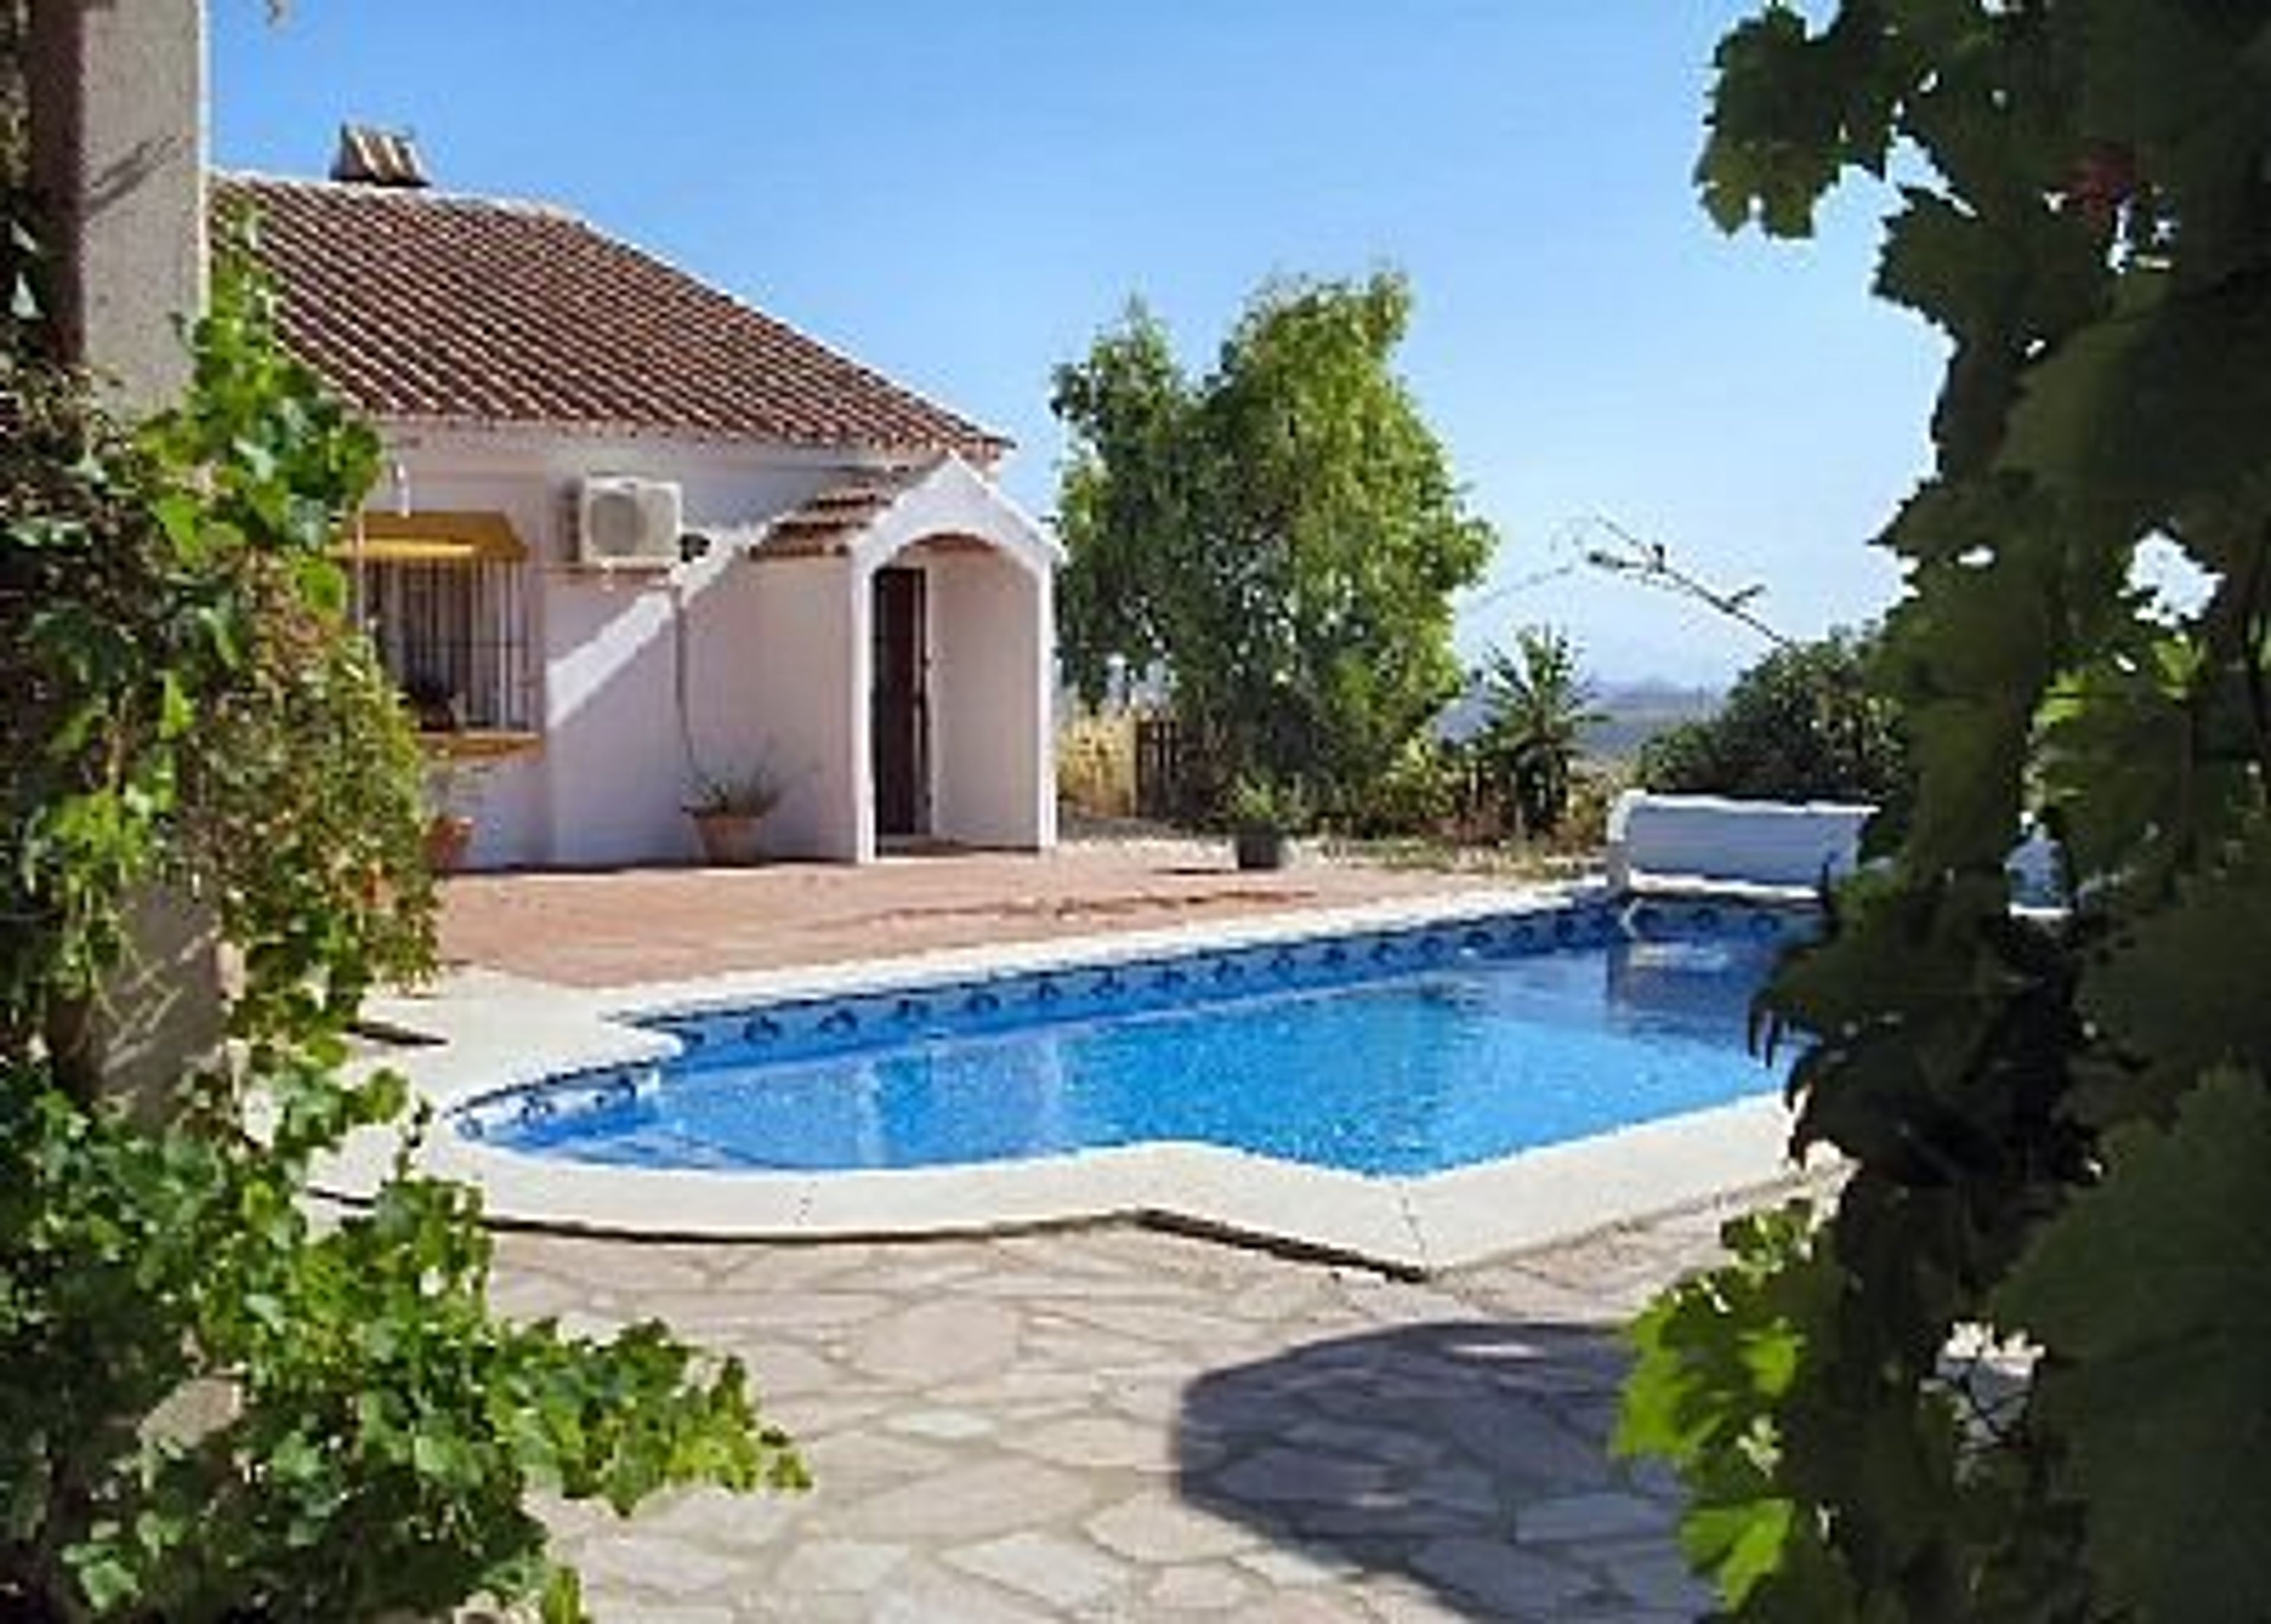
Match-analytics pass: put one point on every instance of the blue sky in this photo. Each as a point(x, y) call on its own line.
point(965, 195)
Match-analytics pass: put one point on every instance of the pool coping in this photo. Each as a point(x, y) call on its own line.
point(488, 1031)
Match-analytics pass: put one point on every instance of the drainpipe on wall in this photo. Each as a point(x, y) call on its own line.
point(118, 123)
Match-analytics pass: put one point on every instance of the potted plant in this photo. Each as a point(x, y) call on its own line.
point(1265, 814)
point(727, 810)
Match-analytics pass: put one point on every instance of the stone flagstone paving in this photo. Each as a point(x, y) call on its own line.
point(1120, 1424)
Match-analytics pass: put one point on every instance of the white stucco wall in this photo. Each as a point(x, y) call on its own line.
point(806, 637)
point(613, 767)
point(1761, 842)
point(989, 700)
point(991, 635)
point(775, 649)
point(607, 781)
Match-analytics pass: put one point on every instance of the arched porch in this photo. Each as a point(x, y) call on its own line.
point(958, 720)
point(943, 728)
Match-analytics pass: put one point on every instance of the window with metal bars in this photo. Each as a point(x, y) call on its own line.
point(454, 633)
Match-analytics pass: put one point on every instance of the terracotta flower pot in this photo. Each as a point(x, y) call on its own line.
point(449, 836)
point(729, 839)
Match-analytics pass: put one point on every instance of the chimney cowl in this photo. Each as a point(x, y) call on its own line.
point(370, 156)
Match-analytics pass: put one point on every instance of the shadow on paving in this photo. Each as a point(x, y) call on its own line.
point(1470, 1457)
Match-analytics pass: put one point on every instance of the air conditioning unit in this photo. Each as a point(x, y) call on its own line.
point(625, 523)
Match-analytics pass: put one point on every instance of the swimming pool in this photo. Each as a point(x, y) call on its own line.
point(1394, 1052)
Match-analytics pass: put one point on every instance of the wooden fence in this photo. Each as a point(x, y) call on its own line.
point(1167, 775)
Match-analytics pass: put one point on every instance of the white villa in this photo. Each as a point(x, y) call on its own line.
point(635, 533)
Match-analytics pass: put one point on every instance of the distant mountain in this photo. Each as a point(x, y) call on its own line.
point(1655, 693)
point(1636, 710)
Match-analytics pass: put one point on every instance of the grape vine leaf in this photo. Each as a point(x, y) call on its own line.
point(1717, 1359)
point(2036, 274)
point(2168, 398)
point(2152, 1296)
point(2186, 984)
point(2185, 86)
point(1791, 109)
point(2115, 737)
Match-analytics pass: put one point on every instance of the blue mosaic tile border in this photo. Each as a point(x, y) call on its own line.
point(814, 1028)
point(802, 1029)
point(572, 1095)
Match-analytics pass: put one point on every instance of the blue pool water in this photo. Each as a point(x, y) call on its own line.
point(1432, 1052)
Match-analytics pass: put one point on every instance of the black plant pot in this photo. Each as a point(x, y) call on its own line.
point(1261, 848)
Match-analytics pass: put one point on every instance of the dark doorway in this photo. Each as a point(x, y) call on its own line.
point(899, 708)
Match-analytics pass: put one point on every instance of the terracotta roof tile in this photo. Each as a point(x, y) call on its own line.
point(826, 522)
point(430, 305)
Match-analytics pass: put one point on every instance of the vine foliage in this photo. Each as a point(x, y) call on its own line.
point(214, 1403)
point(2058, 1130)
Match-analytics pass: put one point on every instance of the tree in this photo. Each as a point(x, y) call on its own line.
point(1536, 705)
point(1800, 725)
point(1282, 536)
point(2059, 1130)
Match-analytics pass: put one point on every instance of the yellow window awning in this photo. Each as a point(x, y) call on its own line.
point(432, 539)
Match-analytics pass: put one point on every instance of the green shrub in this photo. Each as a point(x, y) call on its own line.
point(1804, 724)
point(1593, 790)
point(1419, 795)
point(1257, 801)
